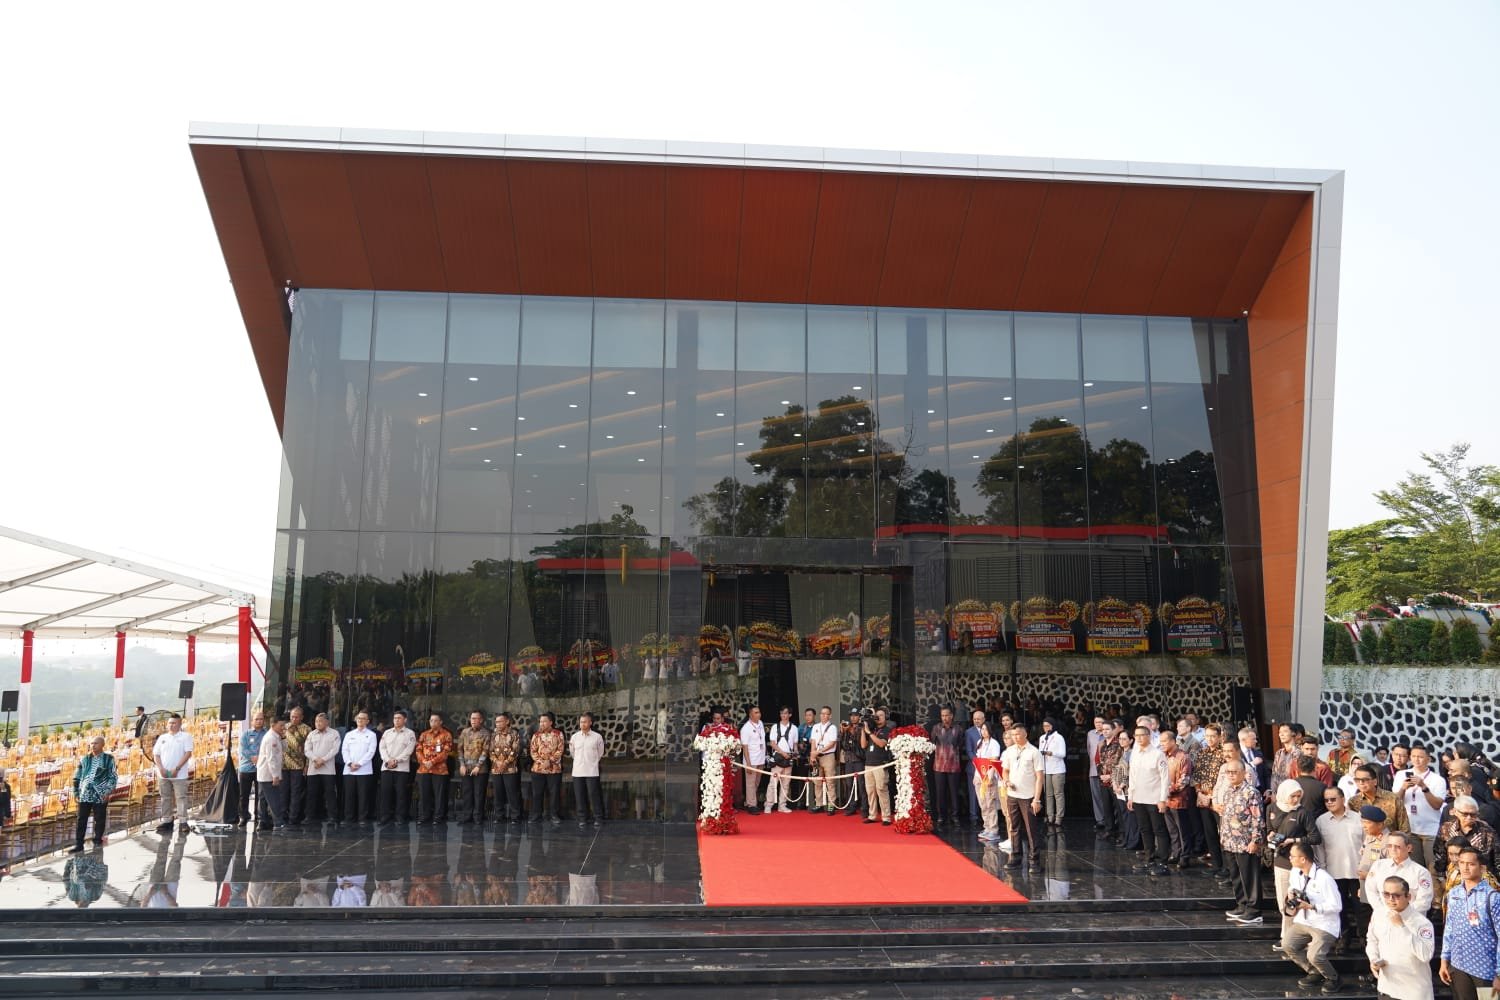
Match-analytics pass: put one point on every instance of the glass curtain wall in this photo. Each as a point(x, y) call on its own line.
point(628, 506)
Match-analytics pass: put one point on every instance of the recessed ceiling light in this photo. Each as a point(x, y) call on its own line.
point(661, 427)
point(974, 456)
point(572, 406)
point(486, 461)
point(739, 444)
point(858, 387)
point(1020, 466)
point(1006, 398)
point(861, 450)
point(562, 446)
point(520, 454)
point(473, 378)
point(473, 428)
point(520, 418)
point(989, 430)
point(422, 394)
point(718, 414)
point(630, 392)
point(640, 460)
point(1145, 407)
point(786, 402)
point(609, 437)
point(932, 411)
point(1088, 385)
point(859, 423)
point(796, 434)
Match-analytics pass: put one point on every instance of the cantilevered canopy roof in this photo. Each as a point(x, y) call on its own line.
point(62, 591)
point(529, 215)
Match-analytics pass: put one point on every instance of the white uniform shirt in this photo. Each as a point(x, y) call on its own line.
point(1418, 880)
point(397, 745)
point(171, 751)
point(587, 749)
point(1343, 840)
point(1148, 775)
point(753, 735)
point(1021, 765)
point(268, 761)
point(1055, 760)
point(322, 746)
point(784, 738)
point(1419, 812)
point(1323, 893)
point(359, 748)
point(825, 738)
point(1407, 950)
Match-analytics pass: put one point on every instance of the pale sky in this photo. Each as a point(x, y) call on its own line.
point(134, 417)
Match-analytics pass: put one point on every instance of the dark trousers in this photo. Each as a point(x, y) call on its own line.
point(471, 806)
point(1244, 872)
point(546, 796)
point(98, 810)
point(395, 796)
point(1356, 914)
point(1104, 809)
point(588, 789)
point(1191, 819)
point(1210, 821)
point(1153, 824)
point(296, 795)
point(945, 794)
point(1465, 986)
point(507, 795)
point(1176, 833)
point(322, 798)
point(858, 803)
point(1023, 824)
point(432, 798)
point(359, 797)
point(247, 787)
point(271, 804)
point(1130, 831)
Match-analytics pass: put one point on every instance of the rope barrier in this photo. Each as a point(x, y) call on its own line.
point(806, 777)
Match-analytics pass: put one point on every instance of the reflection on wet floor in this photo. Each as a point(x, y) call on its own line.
point(624, 863)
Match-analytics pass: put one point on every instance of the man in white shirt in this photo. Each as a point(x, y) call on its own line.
point(1342, 838)
point(1147, 800)
point(173, 751)
point(1315, 925)
point(1400, 945)
point(1422, 791)
point(396, 746)
point(1054, 751)
point(270, 795)
point(1021, 767)
point(753, 736)
point(359, 771)
point(1399, 862)
point(825, 744)
point(321, 748)
point(1098, 792)
point(783, 754)
point(587, 748)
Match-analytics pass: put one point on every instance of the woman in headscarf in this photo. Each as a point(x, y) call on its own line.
point(1287, 823)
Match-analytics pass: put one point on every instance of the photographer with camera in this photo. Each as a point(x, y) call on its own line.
point(873, 739)
point(783, 745)
point(1313, 905)
point(1287, 824)
point(852, 760)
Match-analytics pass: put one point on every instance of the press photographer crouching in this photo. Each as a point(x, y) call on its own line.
point(1313, 902)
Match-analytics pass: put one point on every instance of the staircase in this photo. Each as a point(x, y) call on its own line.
point(1078, 948)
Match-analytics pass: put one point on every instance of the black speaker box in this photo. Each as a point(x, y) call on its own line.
point(10, 701)
point(184, 690)
point(232, 702)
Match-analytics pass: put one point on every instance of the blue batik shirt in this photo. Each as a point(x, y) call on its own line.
point(1471, 934)
point(250, 749)
point(95, 778)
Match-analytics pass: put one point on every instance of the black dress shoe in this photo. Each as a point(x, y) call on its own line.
point(76, 850)
point(868, 820)
point(164, 828)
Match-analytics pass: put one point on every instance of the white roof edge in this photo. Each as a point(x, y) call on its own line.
point(752, 155)
point(125, 564)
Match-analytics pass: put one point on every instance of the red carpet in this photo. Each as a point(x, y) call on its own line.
point(801, 859)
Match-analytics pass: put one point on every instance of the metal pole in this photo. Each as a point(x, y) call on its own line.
point(119, 715)
point(23, 720)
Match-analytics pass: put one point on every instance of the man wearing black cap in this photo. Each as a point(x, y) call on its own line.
point(852, 760)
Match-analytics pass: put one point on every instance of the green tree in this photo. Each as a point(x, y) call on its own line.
point(1388, 652)
point(1343, 646)
point(1439, 648)
point(1368, 564)
point(602, 539)
point(1330, 640)
point(1454, 508)
point(1369, 644)
point(1464, 642)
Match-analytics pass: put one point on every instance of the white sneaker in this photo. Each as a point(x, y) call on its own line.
point(785, 809)
point(1004, 845)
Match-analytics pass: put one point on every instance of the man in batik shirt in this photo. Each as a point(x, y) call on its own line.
point(93, 783)
point(505, 771)
point(294, 767)
point(473, 768)
point(433, 748)
point(547, 745)
point(1240, 836)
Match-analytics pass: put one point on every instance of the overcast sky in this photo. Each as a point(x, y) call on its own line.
point(133, 414)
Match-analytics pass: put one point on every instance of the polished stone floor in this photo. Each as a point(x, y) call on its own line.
point(624, 863)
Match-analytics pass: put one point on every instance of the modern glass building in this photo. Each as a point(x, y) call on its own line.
point(639, 428)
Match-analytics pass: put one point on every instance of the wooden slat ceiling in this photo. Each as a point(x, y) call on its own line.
point(412, 222)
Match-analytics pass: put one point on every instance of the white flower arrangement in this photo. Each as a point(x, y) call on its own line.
point(903, 747)
point(715, 748)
